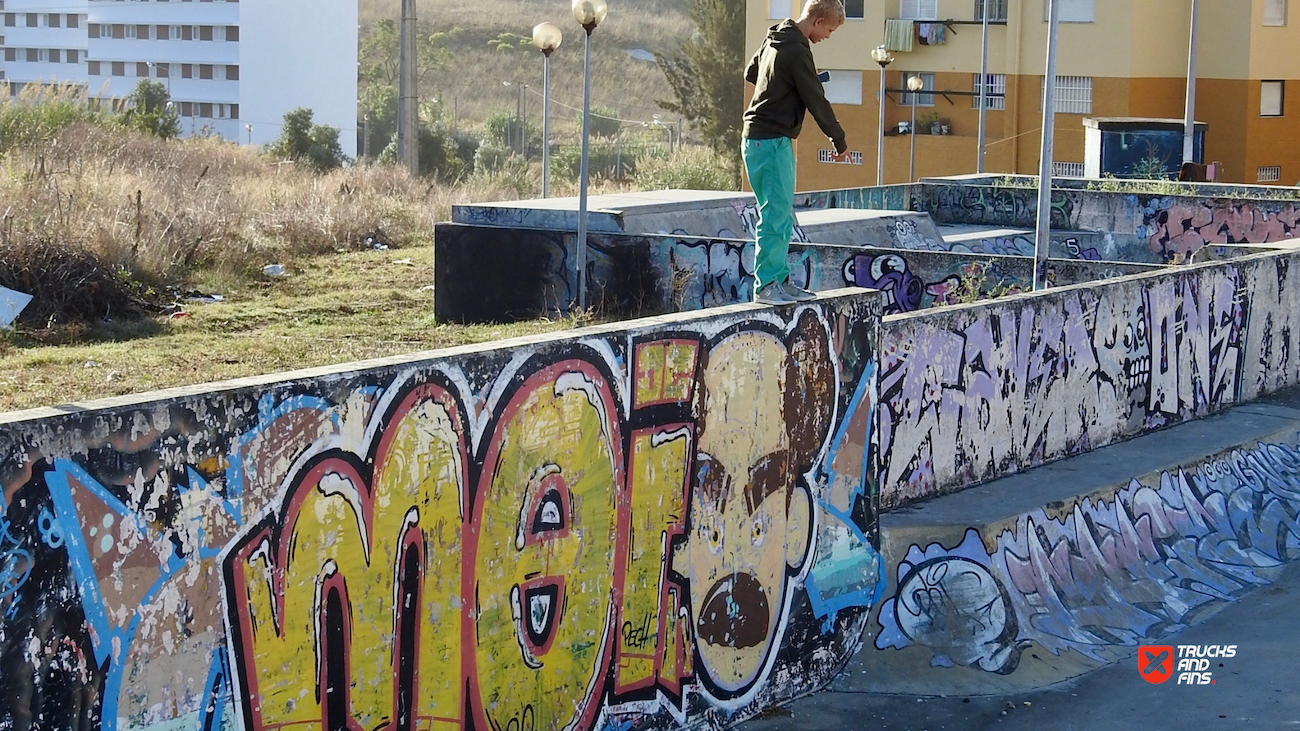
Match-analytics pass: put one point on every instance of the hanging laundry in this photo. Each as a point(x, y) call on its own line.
point(931, 34)
point(899, 33)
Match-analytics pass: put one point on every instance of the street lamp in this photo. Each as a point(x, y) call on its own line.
point(589, 14)
point(882, 56)
point(914, 85)
point(547, 38)
point(249, 129)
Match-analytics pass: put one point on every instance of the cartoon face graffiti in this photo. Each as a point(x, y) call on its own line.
point(954, 605)
point(889, 273)
point(1124, 351)
point(767, 404)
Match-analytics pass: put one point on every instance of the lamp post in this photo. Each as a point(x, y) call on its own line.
point(547, 38)
point(882, 56)
point(249, 129)
point(914, 85)
point(1189, 112)
point(984, 84)
point(1043, 231)
point(589, 14)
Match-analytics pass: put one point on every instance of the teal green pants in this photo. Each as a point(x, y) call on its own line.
point(770, 166)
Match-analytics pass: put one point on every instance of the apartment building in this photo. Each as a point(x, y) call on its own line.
point(232, 67)
point(1116, 59)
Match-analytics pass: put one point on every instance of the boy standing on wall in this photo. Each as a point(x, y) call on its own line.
point(785, 86)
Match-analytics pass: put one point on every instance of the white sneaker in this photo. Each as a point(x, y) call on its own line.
point(773, 294)
point(798, 294)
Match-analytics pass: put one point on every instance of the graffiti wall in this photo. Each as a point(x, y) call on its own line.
point(491, 275)
point(1137, 227)
point(1101, 576)
point(666, 523)
point(973, 393)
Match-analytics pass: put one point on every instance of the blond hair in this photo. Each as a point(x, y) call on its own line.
point(832, 11)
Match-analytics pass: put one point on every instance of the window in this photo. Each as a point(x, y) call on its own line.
point(854, 10)
point(74, 20)
point(187, 71)
point(232, 33)
point(142, 31)
point(74, 56)
point(1271, 98)
point(232, 73)
point(1073, 95)
point(997, 91)
point(855, 158)
point(33, 55)
point(997, 10)
point(31, 20)
point(205, 32)
point(163, 32)
point(11, 54)
point(92, 30)
point(1269, 174)
point(1067, 169)
point(205, 71)
point(1274, 12)
point(779, 9)
point(117, 30)
point(1072, 11)
point(54, 55)
point(164, 70)
point(205, 110)
point(918, 9)
point(11, 20)
point(141, 70)
point(923, 99)
point(187, 32)
point(92, 68)
point(53, 20)
point(187, 109)
point(119, 68)
point(844, 87)
point(234, 108)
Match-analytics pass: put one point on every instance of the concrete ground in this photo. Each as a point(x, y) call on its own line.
point(1256, 689)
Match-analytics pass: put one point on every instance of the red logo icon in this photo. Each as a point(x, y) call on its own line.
point(1156, 663)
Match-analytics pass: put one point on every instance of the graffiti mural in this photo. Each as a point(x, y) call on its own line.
point(1176, 228)
point(979, 393)
point(631, 530)
point(1102, 577)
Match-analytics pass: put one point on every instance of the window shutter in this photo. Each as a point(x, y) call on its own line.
point(1274, 12)
point(909, 9)
point(1073, 11)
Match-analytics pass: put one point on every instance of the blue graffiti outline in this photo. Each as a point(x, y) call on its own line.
point(92, 601)
point(266, 415)
point(216, 692)
point(828, 608)
point(50, 530)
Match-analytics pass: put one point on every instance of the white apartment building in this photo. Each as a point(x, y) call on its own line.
point(232, 66)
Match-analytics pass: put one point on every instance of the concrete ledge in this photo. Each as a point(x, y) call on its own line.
point(1042, 576)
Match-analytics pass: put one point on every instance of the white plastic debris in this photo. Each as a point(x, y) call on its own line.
point(274, 270)
point(12, 303)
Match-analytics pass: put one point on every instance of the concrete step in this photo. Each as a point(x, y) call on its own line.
point(1045, 575)
point(978, 239)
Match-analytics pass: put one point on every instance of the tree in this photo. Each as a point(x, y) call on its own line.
point(147, 110)
point(509, 42)
point(380, 53)
point(706, 73)
point(315, 144)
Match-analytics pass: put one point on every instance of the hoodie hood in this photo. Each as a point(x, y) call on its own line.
point(786, 33)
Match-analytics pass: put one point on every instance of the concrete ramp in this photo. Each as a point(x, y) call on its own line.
point(1045, 575)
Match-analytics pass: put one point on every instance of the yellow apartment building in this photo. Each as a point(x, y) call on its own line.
point(1115, 58)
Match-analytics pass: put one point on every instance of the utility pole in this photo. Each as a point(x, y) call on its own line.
point(408, 136)
point(984, 84)
point(1043, 239)
point(1189, 116)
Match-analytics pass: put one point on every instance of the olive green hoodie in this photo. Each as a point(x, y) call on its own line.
point(785, 86)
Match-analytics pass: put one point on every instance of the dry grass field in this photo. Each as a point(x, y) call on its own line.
point(473, 88)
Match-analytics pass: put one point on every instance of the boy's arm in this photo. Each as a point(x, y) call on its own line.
point(751, 72)
point(814, 97)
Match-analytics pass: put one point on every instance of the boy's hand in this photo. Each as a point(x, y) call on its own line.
point(841, 157)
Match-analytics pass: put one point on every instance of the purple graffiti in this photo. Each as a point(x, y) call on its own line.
point(888, 273)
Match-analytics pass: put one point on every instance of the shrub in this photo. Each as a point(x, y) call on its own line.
point(315, 144)
point(697, 168)
point(148, 110)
